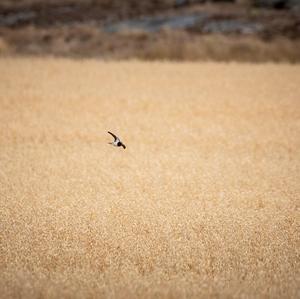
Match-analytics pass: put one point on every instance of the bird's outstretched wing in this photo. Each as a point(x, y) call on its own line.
point(113, 135)
point(123, 145)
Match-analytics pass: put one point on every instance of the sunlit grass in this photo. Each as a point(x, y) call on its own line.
point(202, 203)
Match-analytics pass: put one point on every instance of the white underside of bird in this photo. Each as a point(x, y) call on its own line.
point(117, 142)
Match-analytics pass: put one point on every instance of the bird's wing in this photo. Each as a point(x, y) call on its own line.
point(113, 135)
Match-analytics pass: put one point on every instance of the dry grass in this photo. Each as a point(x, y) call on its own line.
point(179, 46)
point(89, 41)
point(206, 204)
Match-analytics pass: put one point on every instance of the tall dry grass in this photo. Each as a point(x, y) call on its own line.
point(203, 203)
point(82, 41)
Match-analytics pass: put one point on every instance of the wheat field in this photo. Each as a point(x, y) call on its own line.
point(203, 203)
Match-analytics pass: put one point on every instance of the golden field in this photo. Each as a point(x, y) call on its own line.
point(203, 203)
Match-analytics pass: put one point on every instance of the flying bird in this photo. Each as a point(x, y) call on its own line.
point(117, 141)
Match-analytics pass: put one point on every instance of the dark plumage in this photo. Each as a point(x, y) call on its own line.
point(117, 141)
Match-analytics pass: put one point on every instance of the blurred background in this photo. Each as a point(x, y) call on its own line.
point(231, 30)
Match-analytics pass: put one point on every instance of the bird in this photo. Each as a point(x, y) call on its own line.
point(117, 141)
